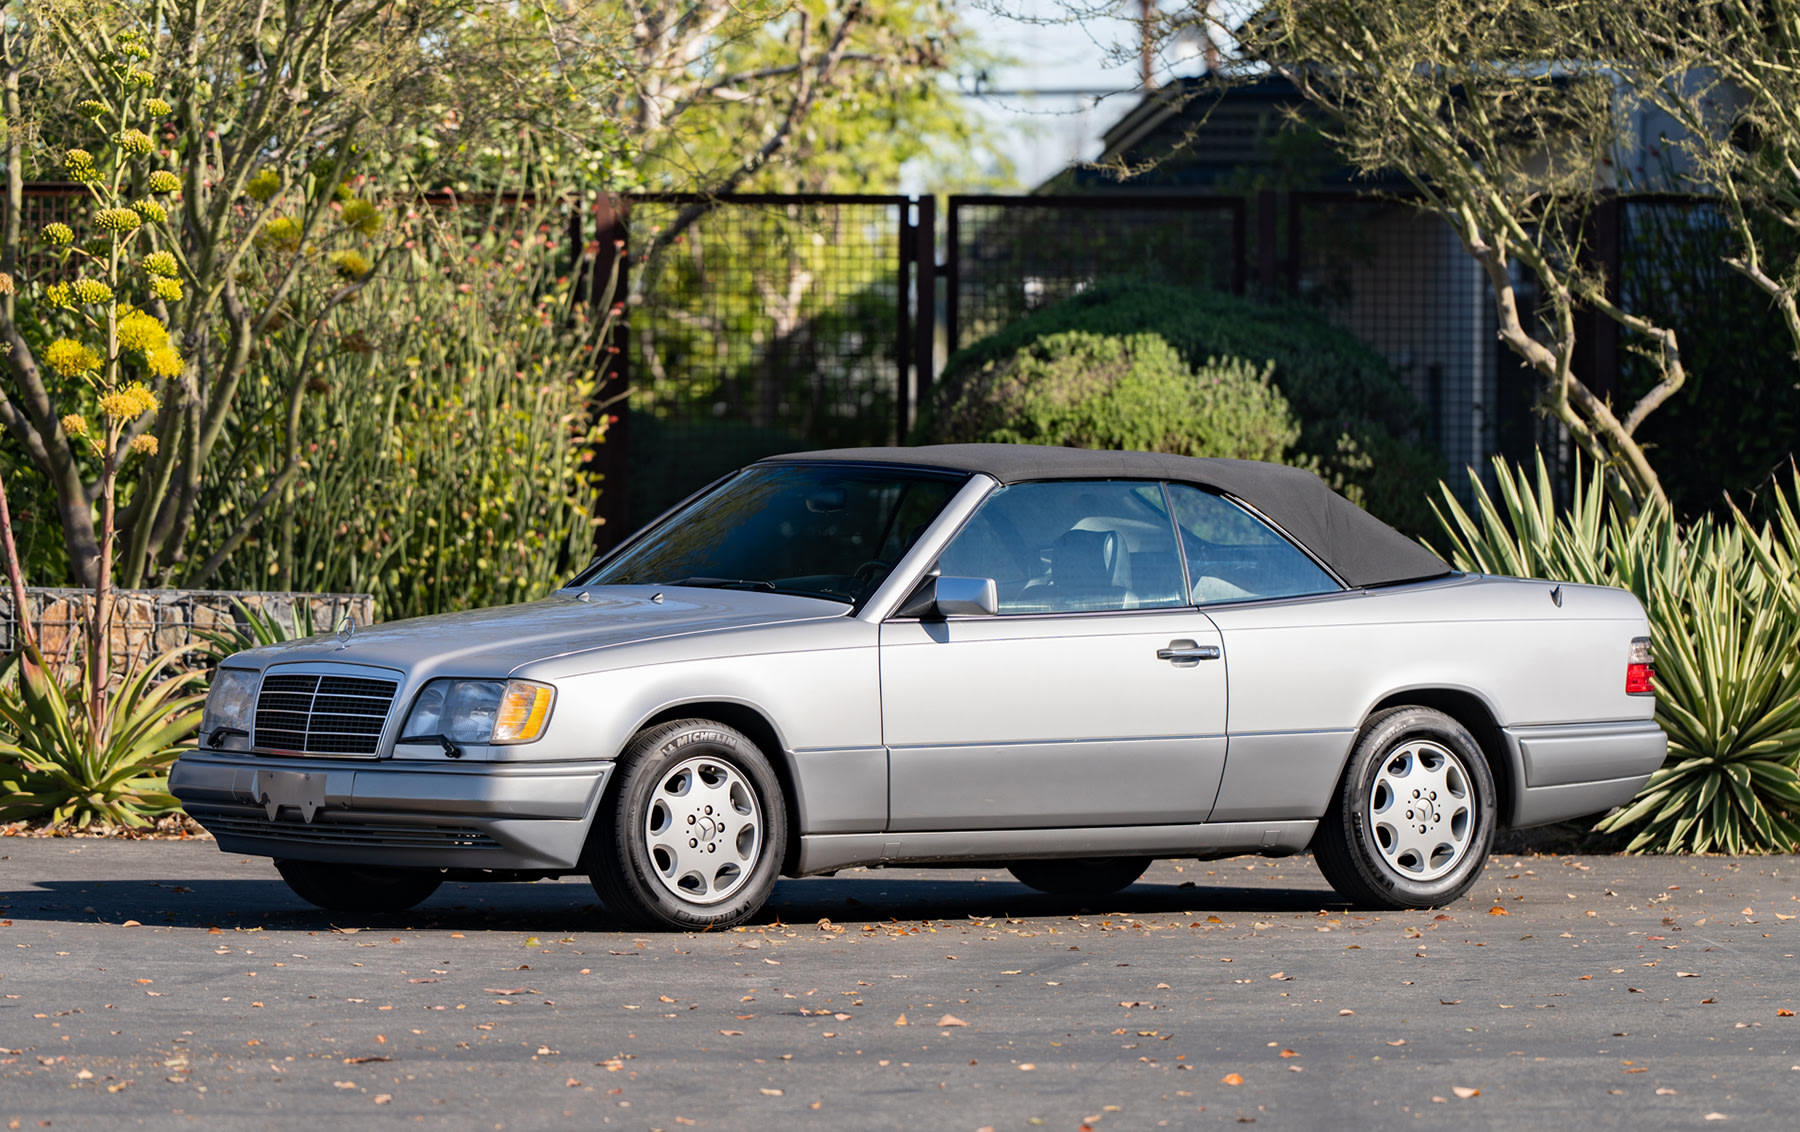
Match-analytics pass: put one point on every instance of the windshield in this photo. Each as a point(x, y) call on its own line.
point(820, 530)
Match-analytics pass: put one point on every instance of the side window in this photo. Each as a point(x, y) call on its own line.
point(1234, 556)
point(1072, 547)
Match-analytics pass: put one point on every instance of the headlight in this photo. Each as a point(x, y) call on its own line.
point(480, 711)
point(230, 708)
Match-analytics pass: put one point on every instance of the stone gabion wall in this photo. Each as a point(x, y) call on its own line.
point(148, 623)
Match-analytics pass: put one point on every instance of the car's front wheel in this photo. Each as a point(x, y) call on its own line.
point(693, 834)
point(1413, 818)
point(1080, 876)
point(358, 888)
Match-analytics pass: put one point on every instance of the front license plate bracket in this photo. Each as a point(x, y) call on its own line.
point(305, 791)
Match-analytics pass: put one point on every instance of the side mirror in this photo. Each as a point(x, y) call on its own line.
point(940, 597)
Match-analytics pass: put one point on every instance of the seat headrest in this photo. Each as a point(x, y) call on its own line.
point(1089, 559)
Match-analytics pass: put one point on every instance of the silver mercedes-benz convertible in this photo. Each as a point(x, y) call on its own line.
point(1062, 662)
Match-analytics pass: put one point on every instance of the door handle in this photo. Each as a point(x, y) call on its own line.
point(1187, 654)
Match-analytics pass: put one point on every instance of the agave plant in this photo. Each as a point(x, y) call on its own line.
point(1724, 606)
point(55, 762)
point(253, 628)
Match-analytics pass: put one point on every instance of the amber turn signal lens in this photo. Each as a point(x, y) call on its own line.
point(523, 712)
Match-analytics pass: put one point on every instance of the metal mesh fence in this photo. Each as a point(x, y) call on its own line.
point(767, 325)
point(1009, 256)
point(1399, 280)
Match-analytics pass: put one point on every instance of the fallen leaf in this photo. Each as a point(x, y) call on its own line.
point(1464, 1091)
point(572, 1083)
point(1027, 1067)
point(1449, 1002)
point(900, 1021)
point(1231, 1079)
point(1715, 1116)
point(1633, 990)
point(1687, 974)
point(1784, 1014)
point(1708, 1001)
point(1665, 1091)
point(364, 1060)
point(1345, 1013)
point(383, 1098)
point(515, 990)
point(1496, 910)
point(732, 1033)
point(1287, 1053)
point(337, 1084)
point(771, 1092)
point(950, 1020)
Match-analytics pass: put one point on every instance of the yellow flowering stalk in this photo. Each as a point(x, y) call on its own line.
point(75, 425)
point(70, 358)
point(163, 181)
point(119, 220)
point(139, 330)
point(58, 295)
point(263, 185)
point(59, 235)
point(362, 216)
point(283, 233)
point(135, 142)
point(168, 290)
point(151, 211)
point(144, 445)
point(164, 363)
point(351, 264)
point(129, 403)
point(159, 263)
point(91, 291)
point(157, 108)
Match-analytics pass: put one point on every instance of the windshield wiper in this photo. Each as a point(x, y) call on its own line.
point(725, 584)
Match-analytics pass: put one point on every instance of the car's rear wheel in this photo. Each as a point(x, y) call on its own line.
point(1080, 876)
point(1413, 818)
point(358, 888)
point(692, 835)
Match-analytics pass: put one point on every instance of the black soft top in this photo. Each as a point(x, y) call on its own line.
point(1363, 550)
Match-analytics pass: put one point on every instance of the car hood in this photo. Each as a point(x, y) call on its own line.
point(496, 641)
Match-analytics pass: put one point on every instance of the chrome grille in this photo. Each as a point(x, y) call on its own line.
point(322, 715)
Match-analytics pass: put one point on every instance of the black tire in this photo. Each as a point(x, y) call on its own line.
point(1080, 876)
point(724, 873)
point(1369, 852)
point(362, 889)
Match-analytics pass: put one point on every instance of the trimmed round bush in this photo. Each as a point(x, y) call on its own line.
point(1083, 390)
point(1360, 426)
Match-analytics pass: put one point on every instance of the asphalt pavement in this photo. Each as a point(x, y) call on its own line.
point(167, 985)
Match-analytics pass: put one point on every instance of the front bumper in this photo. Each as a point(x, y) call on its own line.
point(526, 816)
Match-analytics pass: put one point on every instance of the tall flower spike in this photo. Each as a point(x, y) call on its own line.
point(57, 234)
point(163, 181)
point(159, 263)
point(91, 291)
point(263, 185)
point(151, 211)
point(144, 445)
point(117, 220)
point(128, 403)
point(75, 425)
point(164, 363)
point(70, 358)
point(157, 108)
point(135, 142)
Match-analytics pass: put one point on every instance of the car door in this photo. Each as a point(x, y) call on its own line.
point(1094, 697)
point(1299, 643)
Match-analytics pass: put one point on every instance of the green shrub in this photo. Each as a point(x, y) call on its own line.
point(1724, 609)
point(1359, 424)
point(56, 760)
point(1083, 390)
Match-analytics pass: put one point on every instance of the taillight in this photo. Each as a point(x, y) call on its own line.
point(1640, 669)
